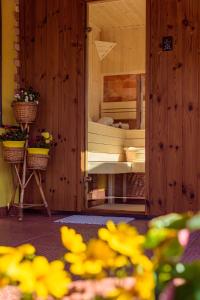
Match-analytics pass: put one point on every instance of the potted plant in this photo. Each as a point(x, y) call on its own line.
point(38, 151)
point(25, 105)
point(13, 145)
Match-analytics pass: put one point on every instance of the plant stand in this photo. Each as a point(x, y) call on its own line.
point(21, 181)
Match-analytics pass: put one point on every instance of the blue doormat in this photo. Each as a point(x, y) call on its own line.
point(93, 220)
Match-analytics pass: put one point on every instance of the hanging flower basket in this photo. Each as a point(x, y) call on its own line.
point(25, 112)
point(25, 105)
point(13, 151)
point(37, 158)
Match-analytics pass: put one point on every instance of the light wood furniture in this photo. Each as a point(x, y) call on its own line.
point(121, 110)
point(106, 143)
point(106, 154)
point(21, 180)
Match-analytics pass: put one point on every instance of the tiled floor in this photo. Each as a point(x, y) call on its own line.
point(43, 233)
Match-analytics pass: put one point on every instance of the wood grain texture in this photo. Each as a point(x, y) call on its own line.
point(173, 107)
point(126, 13)
point(52, 56)
point(128, 56)
point(52, 43)
point(1, 68)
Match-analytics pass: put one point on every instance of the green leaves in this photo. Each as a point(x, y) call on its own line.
point(167, 238)
point(171, 221)
point(194, 223)
point(14, 135)
point(177, 221)
point(156, 236)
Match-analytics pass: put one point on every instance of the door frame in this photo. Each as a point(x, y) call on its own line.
point(1, 100)
point(147, 96)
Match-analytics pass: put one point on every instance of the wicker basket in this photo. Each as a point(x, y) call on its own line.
point(37, 161)
point(13, 155)
point(25, 112)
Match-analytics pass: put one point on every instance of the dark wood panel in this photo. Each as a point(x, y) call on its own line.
point(173, 107)
point(1, 66)
point(52, 42)
point(53, 61)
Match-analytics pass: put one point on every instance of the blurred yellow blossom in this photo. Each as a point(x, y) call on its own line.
point(115, 262)
point(42, 277)
point(120, 294)
point(97, 257)
point(145, 286)
point(122, 238)
point(51, 279)
point(26, 249)
point(72, 240)
point(45, 134)
point(6, 250)
point(144, 262)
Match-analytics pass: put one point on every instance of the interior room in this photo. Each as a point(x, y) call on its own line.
point(116, 59)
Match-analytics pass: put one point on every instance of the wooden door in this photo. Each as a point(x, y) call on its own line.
point(173, 104)
point(52, 58)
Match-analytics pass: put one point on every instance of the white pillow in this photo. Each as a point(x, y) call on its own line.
point(106, 121)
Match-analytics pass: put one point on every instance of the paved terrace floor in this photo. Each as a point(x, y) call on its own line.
point(44, 234)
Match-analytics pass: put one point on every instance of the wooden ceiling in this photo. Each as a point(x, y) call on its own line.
point(118, 13)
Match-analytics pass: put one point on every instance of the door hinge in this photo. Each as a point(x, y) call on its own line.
point(87, 179)
point(88, 29)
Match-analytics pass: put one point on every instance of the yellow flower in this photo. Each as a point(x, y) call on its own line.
point(6, 250)
point(26, 249)
point(9, 264)
point(97, 257)
point(51, 279)
point(43, 278)
point(143, 262)
point(33, 276)
point(24, 275)
point(120, 294)
point(145, 286)
point(122, 238)
point(57, 280)
point(81, 264)
point(45, 134)
point(144, 275)
point(72, 240)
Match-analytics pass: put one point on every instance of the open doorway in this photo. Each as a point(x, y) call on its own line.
point(115, 96)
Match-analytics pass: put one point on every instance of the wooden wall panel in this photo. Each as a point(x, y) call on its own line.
point(129, 53)
point(52, 42)
point(52, 55)
point(173, 107)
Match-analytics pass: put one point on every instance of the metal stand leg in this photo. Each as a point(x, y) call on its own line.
point(124, 188)
point(111, 187)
